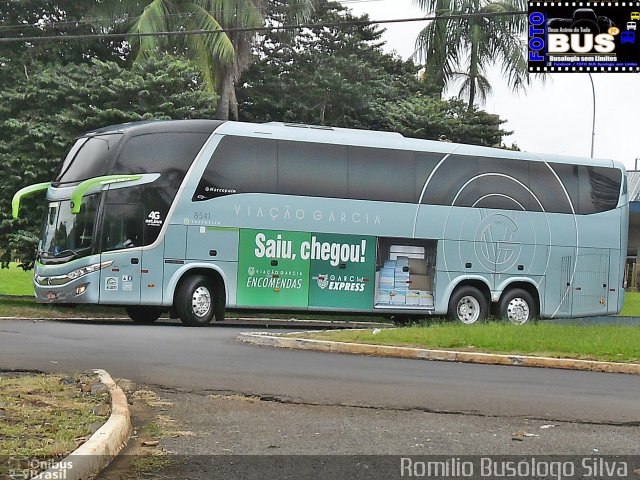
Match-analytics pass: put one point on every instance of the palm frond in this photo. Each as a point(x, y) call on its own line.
point(156, 17)
point(218, 45)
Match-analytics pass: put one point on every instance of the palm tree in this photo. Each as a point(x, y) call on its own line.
point(457, 49)
point(222, 56)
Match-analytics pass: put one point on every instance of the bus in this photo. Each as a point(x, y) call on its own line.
point(193, 217)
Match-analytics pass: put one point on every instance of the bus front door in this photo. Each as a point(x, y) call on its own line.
point(122, 244)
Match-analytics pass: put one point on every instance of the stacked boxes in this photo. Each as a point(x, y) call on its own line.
point(404, 281)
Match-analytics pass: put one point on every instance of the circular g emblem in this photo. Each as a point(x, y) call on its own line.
point(494, 243)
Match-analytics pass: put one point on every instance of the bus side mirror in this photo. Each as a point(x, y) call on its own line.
point(23, 192)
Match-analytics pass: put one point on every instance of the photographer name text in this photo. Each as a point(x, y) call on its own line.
point(496, 468)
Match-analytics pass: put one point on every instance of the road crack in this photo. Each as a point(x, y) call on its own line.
point(282, 399)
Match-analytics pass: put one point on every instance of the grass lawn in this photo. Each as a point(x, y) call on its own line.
point(631, 307)
point(616, 343)
point(15, 281)
point(44, 417)
point(27, 308)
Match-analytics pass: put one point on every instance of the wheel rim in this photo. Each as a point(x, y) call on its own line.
point(518, 310)
point(468, 310)
point(201, 302)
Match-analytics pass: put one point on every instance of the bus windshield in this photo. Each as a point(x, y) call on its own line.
point(68, 235)
point(89, 157)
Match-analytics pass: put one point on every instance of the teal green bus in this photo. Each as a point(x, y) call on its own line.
point(194, 217)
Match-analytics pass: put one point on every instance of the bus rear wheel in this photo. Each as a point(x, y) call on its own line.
point(468, 305)
point(143, 314)
point(195, 301)
point(517, 306)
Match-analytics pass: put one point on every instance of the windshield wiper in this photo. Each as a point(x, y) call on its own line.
point(63, 253)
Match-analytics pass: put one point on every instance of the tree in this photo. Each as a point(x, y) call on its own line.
point(39, 118)
point(328, 75)
point(462, 48)
point(434, 119)
point(46, 18)
point(340, 76)
point(223, 56)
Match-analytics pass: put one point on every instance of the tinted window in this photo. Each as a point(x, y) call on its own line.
point(425, 163)
point(548, 189)
point(385, 175)
point(88, 158)
point(312, 169)
point(168, 152)
point(122, 226)
point(242, 165)
point(504, 183)
point(451, 183)
point(515, 185)
point(153, 203)
point(599, 189)
point(568, 175)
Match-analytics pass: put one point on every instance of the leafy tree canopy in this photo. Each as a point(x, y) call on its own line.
point(340, 76)
point(47, 18)
point(325, 75)
point(39, 119)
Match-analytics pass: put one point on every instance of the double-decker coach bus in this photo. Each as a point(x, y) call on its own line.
point(196, 216)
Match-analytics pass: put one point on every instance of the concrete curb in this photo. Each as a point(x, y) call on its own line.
point(97, 452)
point(285, 341)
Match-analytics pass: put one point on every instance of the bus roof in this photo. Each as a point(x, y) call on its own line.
point(158, 126)
point(338, 136)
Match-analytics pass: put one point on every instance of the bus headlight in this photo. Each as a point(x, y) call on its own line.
point(80, 272)
point(81, 289)
point(57, 280)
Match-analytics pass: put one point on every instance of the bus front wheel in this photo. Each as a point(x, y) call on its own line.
point(517, 306)
point(468, 305)
point(195, 301)
point(142, 314)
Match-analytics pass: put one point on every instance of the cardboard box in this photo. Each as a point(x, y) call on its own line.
point(409, 251)
point(426, 299)
point(384, 297)
point(417, 267)
point(413, 297)
point(398, 298)
point(420, 282)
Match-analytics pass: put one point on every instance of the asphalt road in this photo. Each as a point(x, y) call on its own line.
point(210, 360)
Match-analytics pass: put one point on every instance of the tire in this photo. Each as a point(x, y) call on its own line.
point(143, 314)
point(518, 306)
point(468, 305)
point(195, 301)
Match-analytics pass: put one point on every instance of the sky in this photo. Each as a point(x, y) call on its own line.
point(554, 116)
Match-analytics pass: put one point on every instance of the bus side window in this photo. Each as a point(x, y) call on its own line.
point(599, 189)
point(122, 226)
point(240, 165)
point(382, 174)
point(312, 169)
